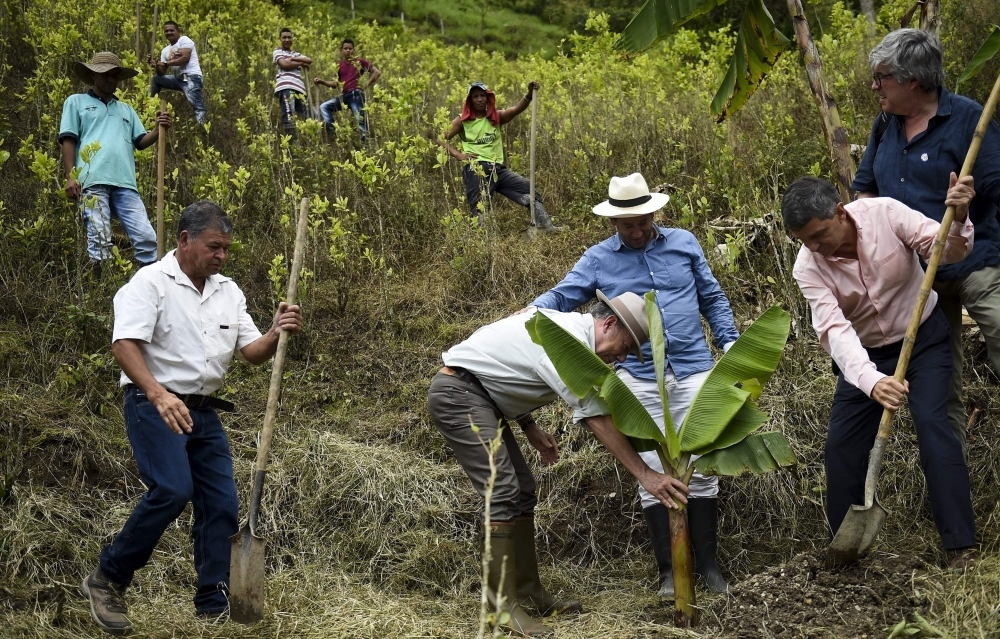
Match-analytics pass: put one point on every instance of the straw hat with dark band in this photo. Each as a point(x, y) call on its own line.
point(102, 63)
point(629, 196)
point(630, 310)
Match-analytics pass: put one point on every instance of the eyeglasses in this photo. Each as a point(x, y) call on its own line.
point(878, 77)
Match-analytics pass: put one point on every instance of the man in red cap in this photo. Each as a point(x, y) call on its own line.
point(478, 128)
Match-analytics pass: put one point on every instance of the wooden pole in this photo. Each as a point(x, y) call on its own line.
point(930, 17)
point(161, 149)
point(152, 37)
point(531, 160)
point(138, 32)
point(833, 128)
point(309, 98)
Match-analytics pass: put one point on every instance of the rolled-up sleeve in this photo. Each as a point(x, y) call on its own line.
point(835, 332)
point(577, 288)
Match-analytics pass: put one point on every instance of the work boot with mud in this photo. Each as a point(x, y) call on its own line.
point(658, 522)
point(703, 522)
point(529, 585)
point(959, 559)
point(502, 580)
point(107, 607)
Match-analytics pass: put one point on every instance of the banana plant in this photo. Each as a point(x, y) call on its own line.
point(719, 429)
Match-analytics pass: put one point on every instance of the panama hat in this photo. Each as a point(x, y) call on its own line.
point(629, 196)
point(630, 309)
point(102, 63)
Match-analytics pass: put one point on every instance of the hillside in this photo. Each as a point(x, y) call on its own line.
point(370, 523)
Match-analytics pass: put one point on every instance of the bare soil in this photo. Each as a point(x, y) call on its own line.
point(803, 599)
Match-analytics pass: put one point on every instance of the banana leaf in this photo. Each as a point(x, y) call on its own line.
point(985, 53)
point(759, 44)
point(657, 341)
point(582, 371)
point(757, 454)
point(659, 18)
point(754, 356)
point(748, 419)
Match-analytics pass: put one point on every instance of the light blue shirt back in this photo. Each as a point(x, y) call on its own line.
point(86, 119)
point(674, 266)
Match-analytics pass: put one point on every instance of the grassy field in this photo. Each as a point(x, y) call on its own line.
point(371, 526)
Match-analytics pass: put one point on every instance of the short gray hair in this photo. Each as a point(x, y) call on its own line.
point(807, 198)
point(203, 215)
point(600, 310)
point(910, 54)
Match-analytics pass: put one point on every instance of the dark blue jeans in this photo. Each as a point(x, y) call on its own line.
point(353, 100)
point(176, 469)
point(291, 104)
point(854, 422)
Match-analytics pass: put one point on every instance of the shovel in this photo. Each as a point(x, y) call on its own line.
point(246, 569)
point(862, 524)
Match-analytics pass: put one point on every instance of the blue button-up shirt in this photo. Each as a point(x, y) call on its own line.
point(916, 173)
point(673, 265)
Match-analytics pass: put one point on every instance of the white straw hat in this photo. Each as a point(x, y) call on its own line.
point(630, 309)
point(629, 196)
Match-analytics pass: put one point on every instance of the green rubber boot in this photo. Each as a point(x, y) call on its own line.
point(529, 585)
point(502, 579)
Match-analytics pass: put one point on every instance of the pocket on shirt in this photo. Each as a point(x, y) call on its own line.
point(892, 258)
point(220, 342)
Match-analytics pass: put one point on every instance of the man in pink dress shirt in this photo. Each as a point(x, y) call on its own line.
point(859, 269)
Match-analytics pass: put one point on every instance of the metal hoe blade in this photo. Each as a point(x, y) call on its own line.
point(856, 534)
point(246, 577)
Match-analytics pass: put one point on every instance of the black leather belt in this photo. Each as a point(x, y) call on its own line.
point(470, 377)
point(198, 401)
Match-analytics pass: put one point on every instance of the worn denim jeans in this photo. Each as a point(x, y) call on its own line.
point(291, 103)
point(192, 88)
point(99, 202)
point(355, 101)
point(176, 469)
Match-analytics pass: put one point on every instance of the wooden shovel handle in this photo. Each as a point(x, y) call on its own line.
point(885, 426)
point(531, 161)
point(274, 391)
point(161, 150)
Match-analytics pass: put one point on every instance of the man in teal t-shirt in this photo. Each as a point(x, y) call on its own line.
point(478, 129)
point(105, 176)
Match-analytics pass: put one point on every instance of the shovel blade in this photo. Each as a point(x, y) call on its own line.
point(246, 577)
point(856, 534)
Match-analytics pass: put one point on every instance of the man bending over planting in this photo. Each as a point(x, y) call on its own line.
point(178, 324)
point(640, 257)
point(499, 374)
point(859, 269)
point(478, 128)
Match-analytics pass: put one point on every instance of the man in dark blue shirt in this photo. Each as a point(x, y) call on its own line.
point(642, 257)
point(920, 138)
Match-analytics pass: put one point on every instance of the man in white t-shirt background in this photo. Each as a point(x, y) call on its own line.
point(289, 85)
point(178, 70)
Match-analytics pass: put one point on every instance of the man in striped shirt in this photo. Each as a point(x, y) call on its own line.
point(289, 87)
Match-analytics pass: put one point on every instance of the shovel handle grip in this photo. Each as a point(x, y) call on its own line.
point(885, 426)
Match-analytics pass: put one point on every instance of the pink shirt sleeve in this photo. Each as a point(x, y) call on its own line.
point(919, 233)
point(836, 334)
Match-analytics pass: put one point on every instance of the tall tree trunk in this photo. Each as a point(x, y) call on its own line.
point(833, 129)
point(868, 9)
point(930, 17)
point(685, 613)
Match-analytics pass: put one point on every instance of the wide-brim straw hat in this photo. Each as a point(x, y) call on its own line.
point(102, 63)
point(630, 309)
point(629, 196)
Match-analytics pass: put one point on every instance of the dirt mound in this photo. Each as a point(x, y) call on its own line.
point(804, 599)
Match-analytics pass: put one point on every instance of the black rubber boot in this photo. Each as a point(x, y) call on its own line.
point(703, 521)
point(529, 585)
point(658, 522)
point(501, 546)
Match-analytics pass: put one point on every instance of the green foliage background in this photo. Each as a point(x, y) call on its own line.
point(371, 527)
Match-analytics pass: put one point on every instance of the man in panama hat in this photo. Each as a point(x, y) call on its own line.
point(500, 375)
point(99, 135)
point(640, 257)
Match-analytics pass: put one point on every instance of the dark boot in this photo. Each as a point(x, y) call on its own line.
point(703, 520)
point(542, 221)
point(502, 545)
point(658, 522)
point(529, 585)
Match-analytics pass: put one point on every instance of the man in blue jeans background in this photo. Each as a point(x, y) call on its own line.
point(178, 325)
point(104, 179)
point(178, 70)
point(353, 97)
